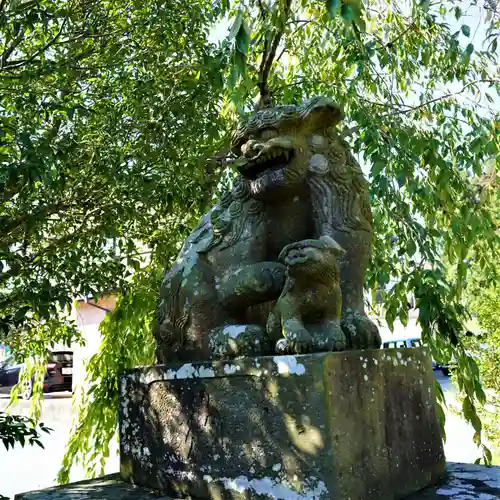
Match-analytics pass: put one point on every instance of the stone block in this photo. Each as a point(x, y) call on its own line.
point(353, 425)
point(463, 482)
point(103, 488)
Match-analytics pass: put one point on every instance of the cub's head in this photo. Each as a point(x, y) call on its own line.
point(312, 257)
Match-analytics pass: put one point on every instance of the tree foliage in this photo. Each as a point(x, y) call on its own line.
point(486, 350)
point(483, 299)
point(15, 429)
point(112, 114)
point(100, 105)
point(19, 430)
point(127, 342)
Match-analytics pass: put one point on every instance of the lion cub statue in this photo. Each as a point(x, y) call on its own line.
point(307, 314)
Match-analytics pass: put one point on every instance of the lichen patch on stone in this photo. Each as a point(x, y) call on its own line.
point(234, 331)
point(186, 371)
point(206, 372)
point(289, 365)
point(271, 488)
point(230, 369)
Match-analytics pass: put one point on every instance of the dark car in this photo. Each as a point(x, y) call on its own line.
point(64, 362)
point(59, 376)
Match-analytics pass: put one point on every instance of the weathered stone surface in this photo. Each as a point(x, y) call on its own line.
point(464, 482)
point(298, 184)
point(104, 488)
point(353, 425)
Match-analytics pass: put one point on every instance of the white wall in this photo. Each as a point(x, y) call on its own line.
point(87, 318)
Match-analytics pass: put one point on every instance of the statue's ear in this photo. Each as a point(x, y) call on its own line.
point(321, 113)
point(332, 245)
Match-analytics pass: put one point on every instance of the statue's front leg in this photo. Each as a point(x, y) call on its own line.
point(237, 290)
point(359, 329)
point(293, 337)
point(251, 284)
point(328, 334)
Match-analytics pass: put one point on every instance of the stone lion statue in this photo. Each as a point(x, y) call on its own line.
point(308, 310)
point(297, 181)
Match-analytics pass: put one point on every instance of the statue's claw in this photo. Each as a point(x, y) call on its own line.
point(360, 330)
point(297, 340)
point(329, 337)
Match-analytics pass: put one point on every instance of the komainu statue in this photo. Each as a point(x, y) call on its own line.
point(308, 310)
point(278, 264)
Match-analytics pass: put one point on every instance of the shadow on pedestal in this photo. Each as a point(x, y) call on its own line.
point(463, 481)
point(353, 425)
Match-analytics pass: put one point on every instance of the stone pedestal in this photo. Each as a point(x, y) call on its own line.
point(103, 488)
point(355, 425)
point(463, 482)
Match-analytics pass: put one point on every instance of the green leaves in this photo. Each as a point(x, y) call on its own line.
point(483, 298)
point(127, 342)
point(465, 30)
point(241, 33)
point(332, 8)
point(242, 42)
point(237, 24)
point(15, 429)
point(95, 148)
point(411, 248)
point(347, 12)
point(243, 38)
point(353, 11)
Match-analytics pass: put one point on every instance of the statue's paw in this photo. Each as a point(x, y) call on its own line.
point(297, 339)
point(232, 341)
point(285, 346)
point(281, 346)
point(329, 337)
point(360, 330)
point(267, 277)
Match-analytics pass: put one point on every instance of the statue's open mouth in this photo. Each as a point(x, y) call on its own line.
point(267, 160)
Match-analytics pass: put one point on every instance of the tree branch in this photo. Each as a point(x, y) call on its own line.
point(18, 64)
point(87, 35)
point(268, 56)
point(445, 96)
point(12, 47)
point(390, 43)
point(263, 15)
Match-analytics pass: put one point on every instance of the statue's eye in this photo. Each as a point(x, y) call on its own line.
point(268, 133)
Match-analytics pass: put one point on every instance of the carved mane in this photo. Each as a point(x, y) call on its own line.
point(339, 194)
